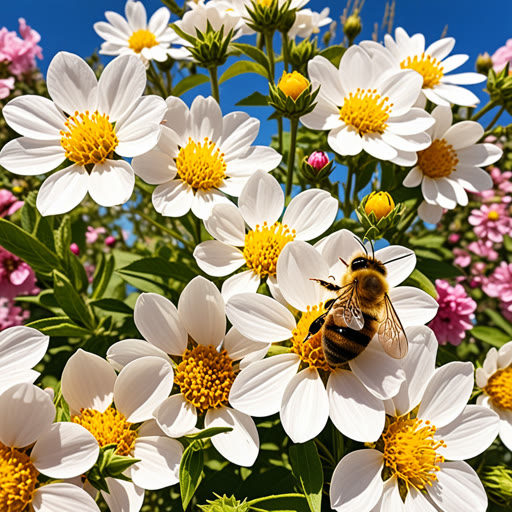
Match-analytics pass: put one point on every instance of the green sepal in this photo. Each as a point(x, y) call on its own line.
point(287, 107)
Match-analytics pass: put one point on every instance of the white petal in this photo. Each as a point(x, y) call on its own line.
point(14, 377)
point(205, 119)
point(463, 78)
point(345, 140)
point(400, 269)
point(123, 352)
point(111, 34)
point(416, 501)
point(457, 95)
point(111, 183)
point(159, 21)
point(355, 70)
point(321, 70)
point(63, 190)
point(506, 432)
point(453, 62)
point(121, 84)
point(175, 416)
point(35, 117)
point(260, 317)
point(261, 200)
point(325, 116)
point(413, 121)
point(71, 83)
point(505, 355)
point(464, 134)
point(258, 389)
point(123, 496)
point(375, 146)
point(154, 167)
point(413, 179)
point(413, 306)
point(217, 258)
point(244, 282)
point(173, 199)
point(27, 412)
point(226, 224)
point(88, 382)
point(356, 483)
point(239, 131)
point(305, 407)
point(355, 412)
point(390, 499)
point(340, 244)
point(441, 48)
point(158, 321)
point(472, 178)
point(204, 201)
point(21, 347)
point(202, 299)
point(444, 118)
point(239, 346)
point(141, 386)
point(62, 497)
point(447, 393)
point(65, 450)
point(159, 462)
point(258, 157)
point(402, 88)
point(430, 213)
point(407, 143)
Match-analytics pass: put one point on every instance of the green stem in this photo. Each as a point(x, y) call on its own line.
point(495, 118)
point(347, 206)
point(269, 37)
point(280, 134)
point(294, 124)
point(286, 51)
point(214, 83)
point(326, 453)
point(198, 230)
point(484, 110)
point(266, 498)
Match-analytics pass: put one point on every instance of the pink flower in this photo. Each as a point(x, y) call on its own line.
point(74, 249)
point(499, 284)
point(19, 53)
point(462, 257)
point(502, 56)
point(6, 86)
point(491, 222)
point(318, 160)
point(502, 180)
point(16, 276)
point(92, 234)
point(453, 238)
point(484, 249)
point(110, 241)
point(8, 203)
point(455, 314)
point(11, 315)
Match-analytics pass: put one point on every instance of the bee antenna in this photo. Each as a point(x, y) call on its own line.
point(362, 245)
point(344, 262)
point(399, 258)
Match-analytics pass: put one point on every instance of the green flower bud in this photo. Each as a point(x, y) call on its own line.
point(497, 481)
point(267, 16)
point(352, 27)
point(292, 97)
point(225, 504)
point(484, 63)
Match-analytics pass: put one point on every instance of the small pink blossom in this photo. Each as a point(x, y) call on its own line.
point(462, 257)
point(499, 284)
point(8, 203)
point(6, 86)
point(11, 315)
point(455, 314)
point(453, 238)
point(74, 249)
point(478, 278)
point(92, 234)
point(318, 160)
point(502, 180)
point(484, 249)
point(491, 222)
point(502, 56)
point(16, 276)
point(110, 241)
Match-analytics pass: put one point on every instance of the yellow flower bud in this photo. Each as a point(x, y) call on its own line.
point(293, 84)
point(380, 203)
point(17, 189)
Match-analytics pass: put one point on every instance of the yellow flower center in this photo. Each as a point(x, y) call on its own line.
point(438, 160)
point(410, 451)
point(493, 215)
point(293, 84)
point(366, 111)
point(205, 377)
point(265, 3)
point(202, 166)
point(18, 479)
point(109, 427)
point(427, 66)
point(141, 39)
point(499, 388)
point(89, 139)
point(310, 351)
point(264, 244)
point(380, 203)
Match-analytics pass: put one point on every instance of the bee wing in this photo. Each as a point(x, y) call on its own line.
point(348, 308)
point(391, 332)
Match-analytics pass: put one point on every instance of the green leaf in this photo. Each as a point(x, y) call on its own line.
point(255, 54)
point(498, 319)
point(59, 326)
point(243, 66)
point(281, 503)
point(208, 432)
point(70, 301)
point(102, 276)
point(159, 267)
point(421, 281)
point(29, 213)
point(307, 469)
point(76, 272)
point(435, 269)
point(27, 247)
point(256, 99)
point(430, 241)
point(507, 242)
point(334, 54)
point(113, 305)
point(189, 82)
point(490, 335)
point(63, 238)
point(191, 467)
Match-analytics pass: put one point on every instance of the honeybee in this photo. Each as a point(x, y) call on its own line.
point(362, 309)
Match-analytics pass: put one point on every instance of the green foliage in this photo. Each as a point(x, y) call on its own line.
point(307, 469)
point(191, 468)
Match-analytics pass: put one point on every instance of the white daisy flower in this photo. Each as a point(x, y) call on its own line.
point(261, 205)
point(495, 378)
point(136, 36)
point(273, 385)
point(365, 106)
point(451, 165)
point(194, 334)
point(32, 445)
point(433, 64)
point(308, 22)
point(428, 422)
point(21, 348)
point(201, 156)
point(90, 386)
point(87, 122)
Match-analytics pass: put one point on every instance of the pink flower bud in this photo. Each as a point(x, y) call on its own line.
point(318, 160)
point(454, 238)
point(110, 241)
point(74, 249)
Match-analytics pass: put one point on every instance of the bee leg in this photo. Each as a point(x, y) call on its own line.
point(326, 284)
point(316, 325)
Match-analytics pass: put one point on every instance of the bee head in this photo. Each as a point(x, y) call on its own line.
point(370, 273)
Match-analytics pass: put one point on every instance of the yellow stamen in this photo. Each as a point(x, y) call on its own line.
point(205, 377)
point(310, 351)
point(89, 139)
point(366, 111)
point(499, 388)
point(141, 39)
point(18, 479)
point(202, 166)
point(427, 66)
point(109, 427)
point(264, 244)
point(438, 160)
point(493, 215)
point(410, 451)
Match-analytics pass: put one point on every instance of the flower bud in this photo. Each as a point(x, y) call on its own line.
point(74, 249)
point(497, 481)
point(225, 504)
point(110, 241)
point(483, 63)
point(318, 160)
point(293, 84)
point(353, 26)
point(17, 189)
point(317, 167)
point(380, 203)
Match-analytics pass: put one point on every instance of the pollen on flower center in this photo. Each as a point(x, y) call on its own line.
point(410, 451)
point(366, 111)
point(141, 39)
point(493, 215)
point(89, 139)
point(205, 377)
point(438, 160)
point(427, 66)
point(109, 427)
point(310, 351)
point(18, 479)
point(499, 388)
point(264, 244)
point(202, 166)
